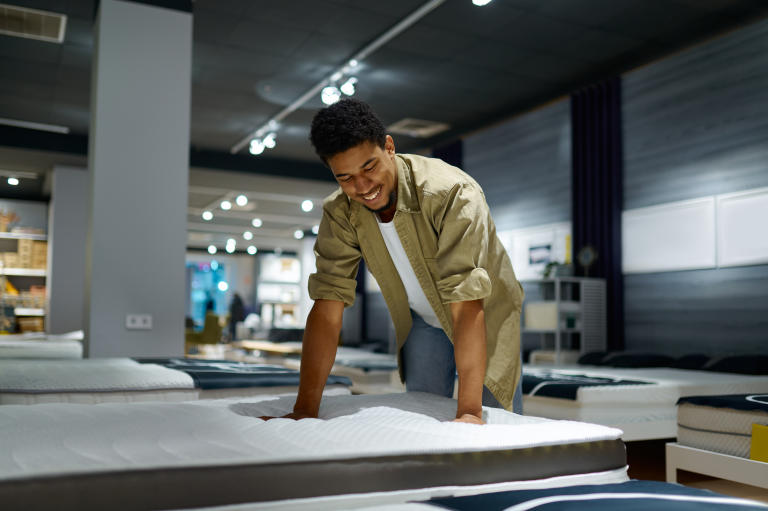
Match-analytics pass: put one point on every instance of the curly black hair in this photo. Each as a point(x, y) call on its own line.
point(344, 125)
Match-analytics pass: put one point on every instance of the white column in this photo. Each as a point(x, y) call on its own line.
point(67, 221)
point(139, 169)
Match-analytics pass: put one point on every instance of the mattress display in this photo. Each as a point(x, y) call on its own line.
point(40, 348)
point(220, 452)
point(219, 376)
point(721, 423)
point(645, 409)
point(630, 495)
point(90, 381)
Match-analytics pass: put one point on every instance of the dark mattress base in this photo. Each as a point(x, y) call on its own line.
point(185, 487)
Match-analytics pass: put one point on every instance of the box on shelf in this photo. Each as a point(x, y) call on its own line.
point(541, 315)
point(25, 253)
point(30, 324)
point(11, 259)
point(39, 254)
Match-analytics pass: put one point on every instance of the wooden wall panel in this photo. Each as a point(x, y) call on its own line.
point(524, 167)
point(695, 125)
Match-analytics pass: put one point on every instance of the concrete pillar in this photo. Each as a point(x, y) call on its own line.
point(67, 221)
point(139, 170)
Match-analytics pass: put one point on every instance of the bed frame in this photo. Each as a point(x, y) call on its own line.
point(723, 466)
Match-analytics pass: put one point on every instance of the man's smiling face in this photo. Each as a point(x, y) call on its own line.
point(368, 175)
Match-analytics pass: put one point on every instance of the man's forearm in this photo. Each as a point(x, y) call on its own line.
point(321, 336)
point(470, 353)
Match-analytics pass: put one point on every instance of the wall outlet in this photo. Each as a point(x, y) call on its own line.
point(138, 321)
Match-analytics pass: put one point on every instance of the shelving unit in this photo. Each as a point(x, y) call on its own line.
point(566, 313)
point(27, 308)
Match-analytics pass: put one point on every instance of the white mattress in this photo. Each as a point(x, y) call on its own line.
point(59, 438)
point(723, 430)
point(91, 381)
point(643, 411)
point(40, 348)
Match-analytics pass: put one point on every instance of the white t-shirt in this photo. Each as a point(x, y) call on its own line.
point(417, 300)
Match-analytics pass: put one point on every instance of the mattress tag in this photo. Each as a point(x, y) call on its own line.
point(759, 449)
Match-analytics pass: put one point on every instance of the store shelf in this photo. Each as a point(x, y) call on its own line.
point(27, 311)
point(23, 272)
point(551, 330)
point(22, 236)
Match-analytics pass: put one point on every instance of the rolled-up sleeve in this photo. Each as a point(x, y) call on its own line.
point(464, 231)
point(337, 257)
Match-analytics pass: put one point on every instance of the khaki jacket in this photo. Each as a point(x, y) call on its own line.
point(447, 232)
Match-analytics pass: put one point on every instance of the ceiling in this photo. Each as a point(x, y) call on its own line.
point(462, 65)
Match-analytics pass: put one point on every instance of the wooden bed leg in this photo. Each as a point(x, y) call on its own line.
point(671, 464)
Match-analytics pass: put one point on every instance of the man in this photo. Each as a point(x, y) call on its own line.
point(425, 232)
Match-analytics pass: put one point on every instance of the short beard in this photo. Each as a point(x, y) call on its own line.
point(391, 202)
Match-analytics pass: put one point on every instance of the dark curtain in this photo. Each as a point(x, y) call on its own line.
point(452, 153)
point(597, 161)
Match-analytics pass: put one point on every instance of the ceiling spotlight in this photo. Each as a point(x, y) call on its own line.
point(353, 63)
point(226, 205)
point(231, 241)
point(330, 95)
point(298, 234)
point(348, 87)
point(229, 249)
point(211, 249)
point(257, 146)
point(207, 216)
point(315, 229)
point(248, 235)
point(270, 141)
point(251, 249)
point(307, 206)
point(241, 200)
point(481, 3)
point(13, 181)
point(256, 222)
point(223, 286)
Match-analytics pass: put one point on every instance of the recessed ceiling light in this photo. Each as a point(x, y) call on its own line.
point(256, 222)
point(315, 229)
point(481, 3)
point(207, 216)
point(307, 206)
point(298, 234)
point(226, 205)
point(223, 286)
point(252, 250)
point(211, 249)
point(241, 200)
point(248, 235)
point(13, 181)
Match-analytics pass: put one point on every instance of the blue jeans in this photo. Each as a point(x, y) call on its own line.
point(429, 365)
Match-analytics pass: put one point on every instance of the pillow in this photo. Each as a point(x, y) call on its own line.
point(692, 361)
point(740, 364)
point(593, 358)
point(629, 359)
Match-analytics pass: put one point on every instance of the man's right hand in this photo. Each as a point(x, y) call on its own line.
point(293, 415)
